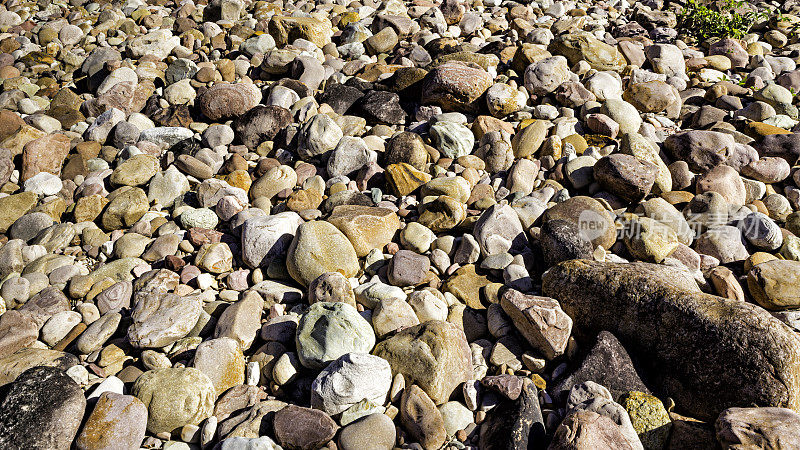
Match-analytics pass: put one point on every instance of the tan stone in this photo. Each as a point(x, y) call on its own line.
point(366, 227)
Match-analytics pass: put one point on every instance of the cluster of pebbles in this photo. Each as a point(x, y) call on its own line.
point(367, 224)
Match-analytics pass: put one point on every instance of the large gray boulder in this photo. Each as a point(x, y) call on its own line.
point(706, 352)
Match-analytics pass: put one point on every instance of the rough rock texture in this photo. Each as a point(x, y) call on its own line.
point(662, 299)
point(434, 355)
point(42, 410)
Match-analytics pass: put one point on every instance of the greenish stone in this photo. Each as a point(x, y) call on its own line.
point(329, 330)
point(791, 248)
point(175, 397)
point(649, 418)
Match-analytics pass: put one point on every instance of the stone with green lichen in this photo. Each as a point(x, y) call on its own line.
point(649, 418)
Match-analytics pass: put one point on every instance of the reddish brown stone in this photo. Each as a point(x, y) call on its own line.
point(45, 154)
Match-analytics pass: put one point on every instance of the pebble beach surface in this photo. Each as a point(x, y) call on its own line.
point(392, 224)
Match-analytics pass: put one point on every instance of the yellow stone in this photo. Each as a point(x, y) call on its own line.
point(286, 30)
point(87, 209)
point(578, 142)
point(758, 130)
point(405, 179)
point(240, 179)
point(366, 227)
point(756, 259)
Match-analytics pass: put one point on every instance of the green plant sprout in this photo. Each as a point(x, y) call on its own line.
point(701, 22)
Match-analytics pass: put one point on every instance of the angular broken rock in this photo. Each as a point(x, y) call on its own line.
point(608, 364)
point(514, 423)
point(540, 320)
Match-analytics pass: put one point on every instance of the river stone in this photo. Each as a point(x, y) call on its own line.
point(375, 431)
point(161, 318)
point(582, 45)
point(761, 231)
point(261, 123)
point(672, 297)
point(125, 207)
point(225, 100)
point(366, 227)
point(267, 238)
point(116, 421)
point(15, 206)
point(318, 136)
point(136, 171)
point(350, 379)
point(499, 230)
point(221, 359)
point(317, 248)
point(588, 215)
point(330, 330)
point(421, 418)
point(175, 397)
point(775, 284)
point(158, 44)
point(625, 176)
point(42, 410)
point(434, 355)
point(544, 76)
point(98, 333)
point(701, 149)
point(455, 86)
point(302, 428)
point(45, 154)
point(452, 139)
point(587, 429)
point(287, 29)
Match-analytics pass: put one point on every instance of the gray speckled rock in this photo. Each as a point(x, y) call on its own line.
point(42, 410)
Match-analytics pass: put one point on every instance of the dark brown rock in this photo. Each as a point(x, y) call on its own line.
point(706, 352)
point(260, 124)
point(608, 364)
point(626, 176)
point(303, 428)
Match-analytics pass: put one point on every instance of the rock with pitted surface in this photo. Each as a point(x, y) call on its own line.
point(161, 318)
point(42, 409)
point(758, 427)
point(664, 297)
point(175, 397)
point(116, 421)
